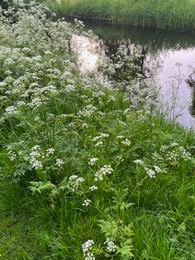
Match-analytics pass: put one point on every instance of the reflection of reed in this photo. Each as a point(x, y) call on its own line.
point(153, 39)
point(191, 83)
point(192, 108)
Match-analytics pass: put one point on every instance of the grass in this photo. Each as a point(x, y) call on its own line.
point(166, 14)
point(86, 168)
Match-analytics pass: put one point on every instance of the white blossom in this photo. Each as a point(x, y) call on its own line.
point(59, 162)
point(86, 203)
point(92, 161)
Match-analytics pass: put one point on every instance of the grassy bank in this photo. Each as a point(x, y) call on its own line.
point(86, 172)
point(166, 14)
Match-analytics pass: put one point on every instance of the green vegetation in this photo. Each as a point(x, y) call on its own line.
point(87, 171)
point(166, 14)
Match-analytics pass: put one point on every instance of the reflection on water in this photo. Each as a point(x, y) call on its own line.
point(173, 77)
point(164, 51)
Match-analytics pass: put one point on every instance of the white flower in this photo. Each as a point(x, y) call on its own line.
point(59, 162)
point(140, 162)
point(92, 161)
point(87, 247)
point(50, 151)
point(35, 157)
point(86, 203)
point(126, 142)
point(157, 169)
point(92, 188)
point(98, 144)
point(74, 182)
point(105, 170)
point(151, 173)
point(100, 137)
point(120, 137)
point(111, 247)
point(11, 110)
point(73, 177)
point(84, 125)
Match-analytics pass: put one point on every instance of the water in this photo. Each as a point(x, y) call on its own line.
point(169, 56)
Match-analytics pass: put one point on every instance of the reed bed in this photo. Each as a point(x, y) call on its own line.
point(167, 14)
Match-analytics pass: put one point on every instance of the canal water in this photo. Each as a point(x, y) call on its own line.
point(171, 58)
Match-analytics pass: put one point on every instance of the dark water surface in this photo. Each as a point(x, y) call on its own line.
point(169, 56)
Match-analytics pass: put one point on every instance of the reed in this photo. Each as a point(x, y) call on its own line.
point(174, 15)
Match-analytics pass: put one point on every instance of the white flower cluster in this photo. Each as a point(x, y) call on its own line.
point(74, 182)
point(100, 137)
point(59, 162)
point(98, 94)
point(105, 170)
point(92, 161)
point(92, 188)
point(126, 142)
point(70, 88)
point(111, 247)
point(111, 98)
point(11, 110)
point(87, 247)
point(50, 151)
point(12, 156)
point(174, 153)
point(36, 102)
point(35, 157)
point(89, 110)
point(49, 89)
point(151, 172)
point(139, 162)
point(86, 203)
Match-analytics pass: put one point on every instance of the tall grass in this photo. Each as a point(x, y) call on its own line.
point(166, 14)
point(87, 171)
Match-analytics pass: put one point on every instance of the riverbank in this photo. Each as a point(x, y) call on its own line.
point(87, 171)
point(170, 15)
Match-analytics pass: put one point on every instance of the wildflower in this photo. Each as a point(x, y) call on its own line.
point(139, 162)
point(112, 98)
point(92, 188)
point(105, 170)
point(84, 125)
point(156, 169)
point(70, 88)
point(74, 182)
point(92, 161)
point(126, 142)
point(59, 162)
point(98, 144)
point(120, 137)
point(11, 110)
point(86, 202)
point(98, 94)
point(36, 102)
point(12, 156)
point(111, 247)
point(87, 247)
point(151, 173)
point(21, 103)
point(100, 137)
point(50, 151)
point(35, 157)
point(89, 110)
